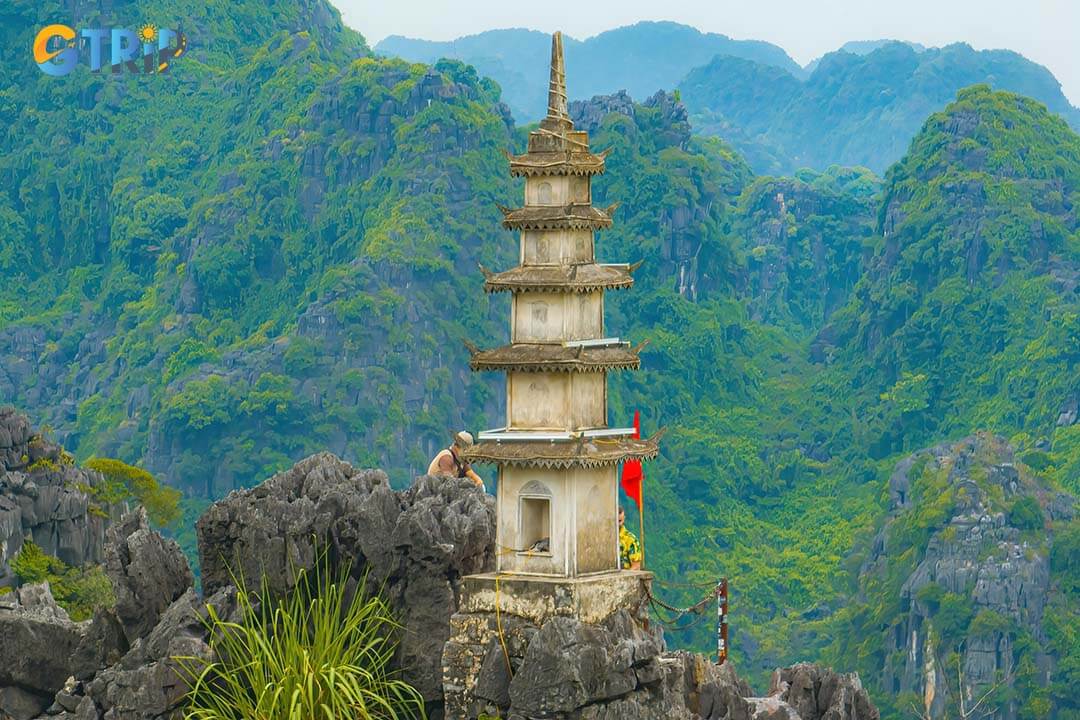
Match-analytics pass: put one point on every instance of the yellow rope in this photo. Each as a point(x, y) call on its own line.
point(502, 637)
point(504, 550)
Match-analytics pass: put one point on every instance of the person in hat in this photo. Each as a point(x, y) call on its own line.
point(448, 463)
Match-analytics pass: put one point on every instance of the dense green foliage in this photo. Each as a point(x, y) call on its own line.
point(80, 591)
point(216, 272)
point(297, 269)
point(853, 109)
point(323, 652)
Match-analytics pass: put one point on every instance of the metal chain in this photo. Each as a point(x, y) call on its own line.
point(680, 612)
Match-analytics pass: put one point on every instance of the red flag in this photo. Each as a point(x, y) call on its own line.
point(631, 469)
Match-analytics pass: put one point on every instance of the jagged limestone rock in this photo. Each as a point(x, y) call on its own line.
point(419, 542)
point(541, 660)
point(148, 683)
point(38, 644)
point(42, 498)
point(415, 544)
point(816, 693)
point(568, 665)
point(147, 572)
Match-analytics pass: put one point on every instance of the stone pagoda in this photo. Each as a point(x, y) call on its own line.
point(557, 459)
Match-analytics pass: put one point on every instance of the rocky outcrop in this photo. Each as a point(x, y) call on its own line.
point(983, 555)
point(416, 544)
point(37, 645)
point(148, 573)
point(816, 693)
point(569, 664)
point(149, 682)
point(589, 115)
point(42, 498)
point(121, 664)
point(619, 669)
point(125, 664)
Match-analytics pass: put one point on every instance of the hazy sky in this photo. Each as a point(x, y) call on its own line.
point(1046, 31)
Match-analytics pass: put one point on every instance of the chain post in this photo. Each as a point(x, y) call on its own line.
point(721, 621)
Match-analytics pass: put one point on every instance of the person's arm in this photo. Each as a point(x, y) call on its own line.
point(469, 473)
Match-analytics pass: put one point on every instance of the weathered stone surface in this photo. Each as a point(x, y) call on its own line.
point(40, 498)
point(19, 704)
point(103, 644)
point(816, 693)
point(38, 644)
point(15, 437)
point(417, 544)
point(147, 573)
point(518, 665)
point(569, 665)
point(148, 683)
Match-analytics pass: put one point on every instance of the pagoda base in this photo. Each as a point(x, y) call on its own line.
point(499, 613)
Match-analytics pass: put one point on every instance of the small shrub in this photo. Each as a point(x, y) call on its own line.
point(43, 464)
point(953, 617)
point(988, 622)
point(1026, 514)
point(78, 590)
point(1038, 460)
point(930, 595)
point(319, 654)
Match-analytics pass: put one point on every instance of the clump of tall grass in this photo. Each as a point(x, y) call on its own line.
point(321, 653)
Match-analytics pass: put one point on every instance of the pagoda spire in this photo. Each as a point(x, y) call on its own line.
point(558, 115)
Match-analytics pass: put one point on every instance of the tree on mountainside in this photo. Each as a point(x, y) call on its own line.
point(126, 482)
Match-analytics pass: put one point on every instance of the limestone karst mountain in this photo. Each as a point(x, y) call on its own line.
point(640, 59)
point(859, 105)
point(853, 108)
point(957, 594)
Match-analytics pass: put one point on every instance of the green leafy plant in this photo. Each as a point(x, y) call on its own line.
point(322, 652)
point(78, 590)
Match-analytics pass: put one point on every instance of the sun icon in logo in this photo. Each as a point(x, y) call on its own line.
point(148, 33)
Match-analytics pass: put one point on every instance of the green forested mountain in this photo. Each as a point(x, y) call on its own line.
point(854, 108)
point(640, 58)
point(862, 47)
point(272, 250)
point(859, 105)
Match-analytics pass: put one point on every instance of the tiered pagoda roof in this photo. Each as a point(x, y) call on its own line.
point(557, 162)
point(538, 357)
point(560, 278)
point(575, 216)
point(582, 452)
